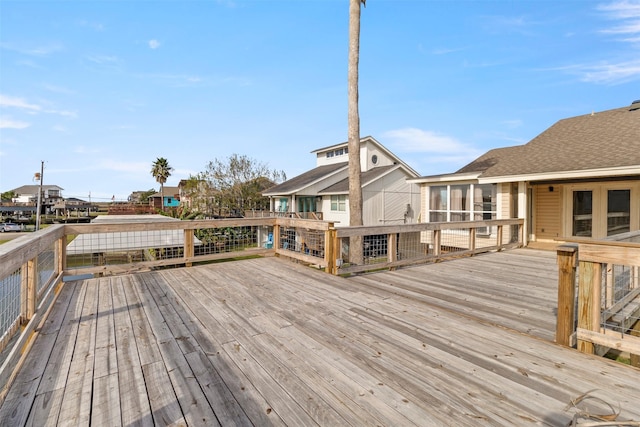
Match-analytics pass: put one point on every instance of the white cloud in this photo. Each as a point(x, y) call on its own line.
point(59, 128)
point(627, 13)
point(44, 50)
point(10, 101)
point(607, 73)
point(30, 108)
point(424, 141)
point(7, 123)
point(154, 44)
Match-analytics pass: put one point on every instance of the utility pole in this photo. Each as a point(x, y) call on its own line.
point(39, 207)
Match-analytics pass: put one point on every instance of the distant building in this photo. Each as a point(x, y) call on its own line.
point(171, 198)
point(323, 192)
point(27, 195)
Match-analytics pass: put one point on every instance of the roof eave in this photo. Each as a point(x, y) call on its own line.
point(435, 179)
point(299, 189)
point(564, 175)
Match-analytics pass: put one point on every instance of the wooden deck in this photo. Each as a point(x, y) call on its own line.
point(270, 342)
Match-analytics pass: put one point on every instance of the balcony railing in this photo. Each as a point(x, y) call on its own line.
point(599, 295)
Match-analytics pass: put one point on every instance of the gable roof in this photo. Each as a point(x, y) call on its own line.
point(366, 178)
point(304, 180)
point(167, 192)
point(384, 149)
point(606, 143)
point(33, 189)
point(609, 139)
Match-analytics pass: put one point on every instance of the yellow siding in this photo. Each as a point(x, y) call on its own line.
point(548, 212)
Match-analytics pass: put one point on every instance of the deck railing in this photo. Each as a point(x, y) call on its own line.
point(599, 296)
point(33, 267)
point(400, 245)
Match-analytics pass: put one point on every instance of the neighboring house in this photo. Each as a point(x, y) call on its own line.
point(67, 206)
point(578, 179)
point(171, 198)
point(323, 192)
point(28, 195)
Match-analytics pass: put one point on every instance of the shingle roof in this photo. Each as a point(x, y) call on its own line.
point(365, 178)
point(301, 181)
point(602, 140)
point(33, 189)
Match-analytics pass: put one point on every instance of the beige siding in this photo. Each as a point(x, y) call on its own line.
point(547, 212)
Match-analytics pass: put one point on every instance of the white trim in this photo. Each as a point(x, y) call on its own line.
point(573, 174)
point(438, 179)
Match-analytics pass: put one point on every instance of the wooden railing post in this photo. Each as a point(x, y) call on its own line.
point(437, 241)
point(329, 250)
point(590, 279)
point(276, 236)
point(28, 287)
point(61, 254)
point(392, 244)
point(567, 263)
point(189, 249)
point(499, 237)
point(472, 238)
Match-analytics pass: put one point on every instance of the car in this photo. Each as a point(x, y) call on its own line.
point(9, 226)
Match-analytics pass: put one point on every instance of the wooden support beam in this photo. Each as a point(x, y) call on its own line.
point(567, 263)
point(590, 276)
point(437, 241)
point(61, 254)
point(635, 357)
point(499, 238)
point(330, 251)
point(28, 287)
point(189, 249)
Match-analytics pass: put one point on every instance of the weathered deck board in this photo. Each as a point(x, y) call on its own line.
point(270, 342)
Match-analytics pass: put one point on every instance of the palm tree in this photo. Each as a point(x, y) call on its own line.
point(161, 170)
point(355, 188)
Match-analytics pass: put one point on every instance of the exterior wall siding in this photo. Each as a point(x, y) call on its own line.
point(547, 212)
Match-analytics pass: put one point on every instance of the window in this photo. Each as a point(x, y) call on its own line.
point(618, 211)
point(438, 204)
point(329, 154)
point(462, 202)
point(339, 203)
point(484, 201)
point(582, 213)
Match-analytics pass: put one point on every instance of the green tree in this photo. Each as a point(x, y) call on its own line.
point(355, 187)
point(161, 171)
point(8, 195)
point(238, 183)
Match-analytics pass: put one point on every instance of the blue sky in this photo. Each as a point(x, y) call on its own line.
point(99, 89)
